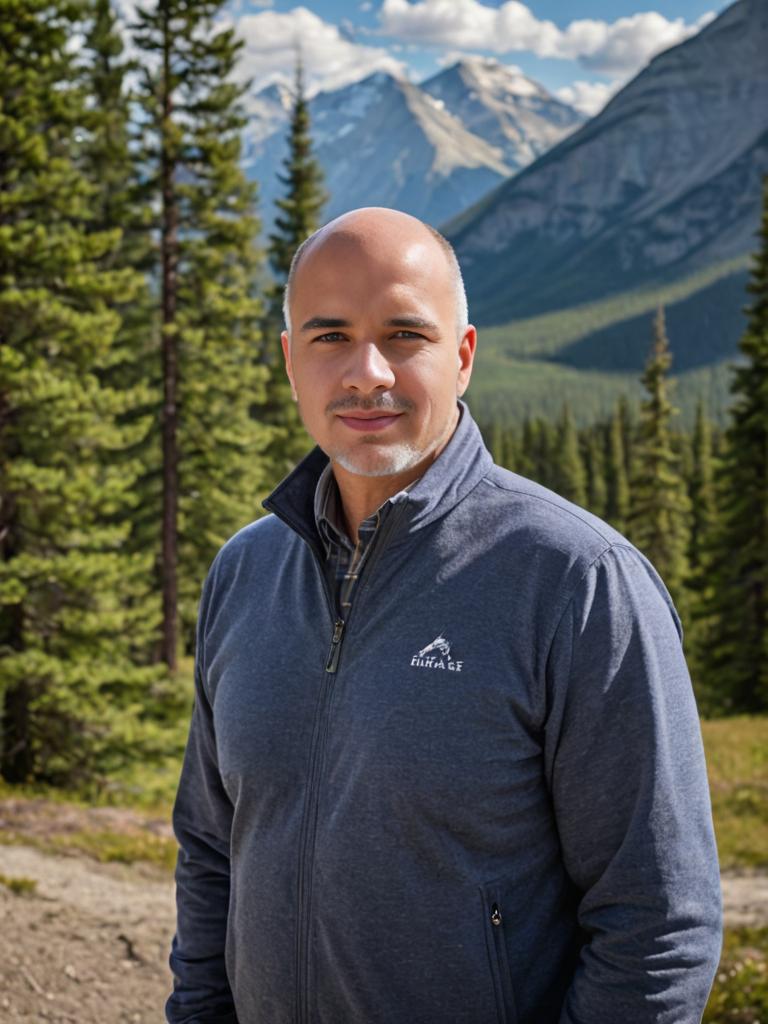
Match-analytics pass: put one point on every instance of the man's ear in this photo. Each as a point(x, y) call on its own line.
point(285, 341)
point(466, 354)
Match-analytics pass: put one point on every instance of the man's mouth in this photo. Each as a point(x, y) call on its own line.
point(368, 421)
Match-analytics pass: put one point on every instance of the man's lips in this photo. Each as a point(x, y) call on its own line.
point(367, 422)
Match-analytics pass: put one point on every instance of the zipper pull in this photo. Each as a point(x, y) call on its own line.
point(333, 655)
point(495, 915)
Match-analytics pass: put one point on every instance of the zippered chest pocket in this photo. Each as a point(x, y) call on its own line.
point(493, 914)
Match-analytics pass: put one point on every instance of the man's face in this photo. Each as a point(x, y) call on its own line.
point(374, 358)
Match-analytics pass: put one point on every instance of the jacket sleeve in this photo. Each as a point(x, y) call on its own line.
point(631, 801)
point(202, 821)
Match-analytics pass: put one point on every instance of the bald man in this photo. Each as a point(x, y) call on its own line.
point(444, 763)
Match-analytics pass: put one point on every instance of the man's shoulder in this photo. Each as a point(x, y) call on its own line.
point(263, 539)
point(546, 518)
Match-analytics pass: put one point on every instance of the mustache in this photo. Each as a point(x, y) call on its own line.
point(386, 403)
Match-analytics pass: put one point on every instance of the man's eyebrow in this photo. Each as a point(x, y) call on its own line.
point(317, 322)
point(411, 321)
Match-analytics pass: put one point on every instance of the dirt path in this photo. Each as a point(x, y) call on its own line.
point(90, 944)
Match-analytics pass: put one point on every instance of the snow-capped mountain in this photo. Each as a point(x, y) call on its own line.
point(505, 107)
point(387, 142)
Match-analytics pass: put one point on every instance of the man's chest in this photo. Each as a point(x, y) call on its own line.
point(433, 706)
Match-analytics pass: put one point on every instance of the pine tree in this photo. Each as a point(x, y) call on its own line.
point(735, 608)
point(597, 493)
point(617, 481)
point(702, 489)
point(298, 217)
point(206, 265)
point(72, 700)
point(107, 160)
point(498, 445)
point(569, 475)
point(659, 510)
point(527, 456)
point(512, 452)
point(628, 434)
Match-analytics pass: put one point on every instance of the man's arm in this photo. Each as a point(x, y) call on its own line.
point(202, 821)
point(630, 795)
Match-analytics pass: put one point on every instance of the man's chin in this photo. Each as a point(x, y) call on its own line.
point(375, 460)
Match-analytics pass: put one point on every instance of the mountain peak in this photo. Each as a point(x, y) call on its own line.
point(505, 107)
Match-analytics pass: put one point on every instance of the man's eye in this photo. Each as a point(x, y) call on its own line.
point(408, 334)
point(330, 336)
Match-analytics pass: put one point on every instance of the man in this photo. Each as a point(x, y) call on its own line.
point(445, 765)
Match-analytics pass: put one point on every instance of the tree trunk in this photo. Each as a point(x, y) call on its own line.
point(169, 419)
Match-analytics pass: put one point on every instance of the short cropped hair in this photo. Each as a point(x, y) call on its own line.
point(462, 310)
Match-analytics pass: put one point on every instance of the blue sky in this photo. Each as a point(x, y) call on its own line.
point(582, 51)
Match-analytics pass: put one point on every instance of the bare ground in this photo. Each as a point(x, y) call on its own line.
point(90, 944)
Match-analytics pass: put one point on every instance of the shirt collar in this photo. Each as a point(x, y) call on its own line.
point(451, 477)
point(329, 517)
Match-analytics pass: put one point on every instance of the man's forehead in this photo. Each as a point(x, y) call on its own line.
point(340, 261)
point(381, 249)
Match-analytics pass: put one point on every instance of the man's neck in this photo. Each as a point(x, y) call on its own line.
point(362, 495)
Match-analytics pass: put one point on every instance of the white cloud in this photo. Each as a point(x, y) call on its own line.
point(619, 48)
point(330, 59)
point(588, 97)
point(626, 45)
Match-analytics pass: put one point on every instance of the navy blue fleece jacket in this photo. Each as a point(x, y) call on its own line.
point(481, 799)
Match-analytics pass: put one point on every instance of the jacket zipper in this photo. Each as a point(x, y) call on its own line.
point(309, 824)
point(316, 756)
point(332, 662)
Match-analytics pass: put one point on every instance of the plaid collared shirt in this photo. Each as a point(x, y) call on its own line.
point(343, 559)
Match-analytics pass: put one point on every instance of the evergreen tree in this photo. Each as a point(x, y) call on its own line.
point(512, 452)
point(72, 700)
point(617, 481)
point(527, 455)
point(735, 607)
point(659, 510)
point(628, 432)
point(498, 443)
point(107, 160)
point(299, 211)
point(568, 467)
point(209, 315)
point(702, 490)
point(597, 492)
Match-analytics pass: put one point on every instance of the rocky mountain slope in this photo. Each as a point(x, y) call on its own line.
point(504, 107)
point(431, 150)
point(664, 182)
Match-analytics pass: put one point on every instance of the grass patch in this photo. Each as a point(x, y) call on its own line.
point(740, 992)
point(104, 846)
point(737, 763)
point(19, 885)
point(119, 848)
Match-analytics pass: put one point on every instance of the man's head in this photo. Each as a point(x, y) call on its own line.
point(377, 348)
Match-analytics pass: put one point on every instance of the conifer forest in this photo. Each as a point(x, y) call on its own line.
point(144, 412)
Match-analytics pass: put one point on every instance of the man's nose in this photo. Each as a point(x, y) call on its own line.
point(367, 369)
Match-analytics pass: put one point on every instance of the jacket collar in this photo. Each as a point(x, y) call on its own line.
point(456, 471)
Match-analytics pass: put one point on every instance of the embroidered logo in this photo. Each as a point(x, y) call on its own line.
point(437, 655)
